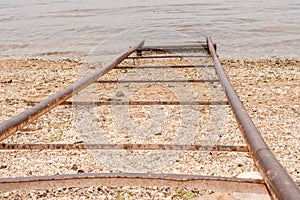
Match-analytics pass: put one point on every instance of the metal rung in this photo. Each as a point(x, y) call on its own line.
point(194, 147)
point(163, 47)
point(162, 67)
point(196, 46)
point(167, 56)
point(159, 81)
point(145, 103)
point(174, 49)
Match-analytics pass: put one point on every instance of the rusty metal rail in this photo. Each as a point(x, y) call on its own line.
point(224, 184)
point(182, 103)
point(276, 180)
point(16, 123)
point(160, 81)
point(162, 67)
point(124, 147)
point(166, 56)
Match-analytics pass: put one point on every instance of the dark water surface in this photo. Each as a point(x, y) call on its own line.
point(90, 28)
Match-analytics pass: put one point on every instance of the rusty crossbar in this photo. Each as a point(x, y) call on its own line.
point(135, 103)
point(159, 81)
point(172, 147)
point(181, 103)
point(166, 56)
point(172, 48)
point(200, 45)
point(225, 184)
point(162, 67)
point(275, 178)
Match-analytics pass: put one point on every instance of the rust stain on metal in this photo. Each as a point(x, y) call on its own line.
point(225, 184)
point(281, 186)
point(124, 147)
point(146, 103)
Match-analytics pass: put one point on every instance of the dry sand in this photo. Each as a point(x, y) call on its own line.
point(269, 89)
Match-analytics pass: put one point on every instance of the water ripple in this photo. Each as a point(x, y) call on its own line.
point(242, 29)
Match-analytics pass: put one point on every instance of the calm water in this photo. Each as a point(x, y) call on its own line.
point(91, 28)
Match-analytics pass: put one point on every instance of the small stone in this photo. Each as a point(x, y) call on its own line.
point(6, 81)
point(252, 175)
point(6, 194)
point(120, 94)
point(74, 167)
point(42, 193)
point(3, 166)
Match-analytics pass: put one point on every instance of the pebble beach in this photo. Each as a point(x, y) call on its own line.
point(269, 89)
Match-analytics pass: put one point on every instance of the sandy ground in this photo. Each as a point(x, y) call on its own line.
point(268, 88)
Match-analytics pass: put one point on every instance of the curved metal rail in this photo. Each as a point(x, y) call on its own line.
point(224, 184)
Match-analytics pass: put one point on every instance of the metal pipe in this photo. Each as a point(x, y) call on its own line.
point(145, 103)
point(119, 102)
point(160, 81)
point(163, 66)
point(179, 46)
point(277, 179)
point(14, 124)
point(192, 147)
point(224, 184)
point(167, 56)
point(185, 47)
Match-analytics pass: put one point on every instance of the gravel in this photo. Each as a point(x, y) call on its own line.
point(268, 88)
